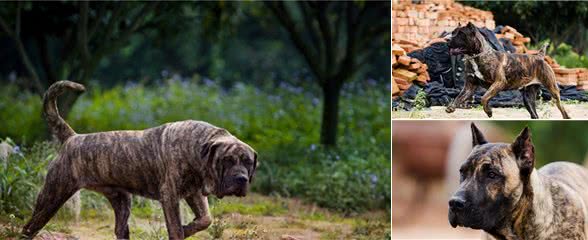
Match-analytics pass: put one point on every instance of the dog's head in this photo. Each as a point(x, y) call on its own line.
point(230, 167)
point(464, 41)
point(493, 179)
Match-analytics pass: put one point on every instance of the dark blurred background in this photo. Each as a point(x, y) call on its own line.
point(307, 84)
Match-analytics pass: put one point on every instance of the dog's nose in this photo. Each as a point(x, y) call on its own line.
point(241, 179)
point(457, 203)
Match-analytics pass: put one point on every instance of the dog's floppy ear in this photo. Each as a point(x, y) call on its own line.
point(252, 173)
point(524, 151)
point(477, 137)
point(208, 155)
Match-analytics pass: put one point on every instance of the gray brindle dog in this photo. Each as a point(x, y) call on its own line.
point(181, 160)
point(503, 194)
point(497, 71)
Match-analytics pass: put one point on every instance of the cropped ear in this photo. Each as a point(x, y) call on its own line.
point(524, 151)
point(477, 137)
point(252, 173)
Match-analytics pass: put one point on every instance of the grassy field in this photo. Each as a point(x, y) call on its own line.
point(545, 111)
point(252, 217)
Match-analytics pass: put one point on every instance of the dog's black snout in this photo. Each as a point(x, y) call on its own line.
point(241, 179)
point(457, 203)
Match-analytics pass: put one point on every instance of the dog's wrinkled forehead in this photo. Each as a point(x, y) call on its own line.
point(238, 150)
point(496, 154)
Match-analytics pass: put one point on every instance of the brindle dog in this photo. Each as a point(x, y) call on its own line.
point(181, 160)
point(497, 71)
point(503, 194)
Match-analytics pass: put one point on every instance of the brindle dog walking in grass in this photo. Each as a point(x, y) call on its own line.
point(497, 71)
point(181, 160)
point(502, 193)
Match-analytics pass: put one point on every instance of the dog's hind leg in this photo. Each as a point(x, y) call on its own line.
point(121, 204)
point(548, 80)
point(555, 94)
point(58, 188)
point(494, 89)
point(199, 205)
point(529, 98)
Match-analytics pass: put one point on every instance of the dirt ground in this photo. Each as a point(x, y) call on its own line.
point(545, 111)
point(254, 217)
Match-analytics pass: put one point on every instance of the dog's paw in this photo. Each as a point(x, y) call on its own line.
point(489, 113)
point(449, 109)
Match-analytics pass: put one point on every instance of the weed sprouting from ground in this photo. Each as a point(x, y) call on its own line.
point(419, 104)
point(12, 228)
point(217, 228)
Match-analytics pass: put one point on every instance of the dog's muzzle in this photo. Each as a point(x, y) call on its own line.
point(456, 208)
point(237, 185)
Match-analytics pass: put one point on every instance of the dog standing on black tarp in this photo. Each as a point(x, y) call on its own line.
point(497, 71)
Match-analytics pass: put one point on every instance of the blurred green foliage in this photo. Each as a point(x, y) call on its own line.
point(565, 56)
point(553, 140)
point(281, 124)
point(559, 21)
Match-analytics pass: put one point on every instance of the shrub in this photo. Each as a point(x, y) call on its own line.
point(21, 177)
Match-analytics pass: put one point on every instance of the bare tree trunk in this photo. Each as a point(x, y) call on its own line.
point(330, 118)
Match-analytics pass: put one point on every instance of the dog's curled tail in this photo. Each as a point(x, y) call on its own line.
point(57, 125)
point(543, 50)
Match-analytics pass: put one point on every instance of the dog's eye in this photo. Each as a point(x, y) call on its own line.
point(492, 175)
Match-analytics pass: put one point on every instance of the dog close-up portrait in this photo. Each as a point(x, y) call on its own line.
point(497, 71)
point(502, 192)
point(180, 160)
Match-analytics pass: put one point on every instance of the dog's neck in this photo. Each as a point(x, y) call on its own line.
point(485, 49)
point(534, 210)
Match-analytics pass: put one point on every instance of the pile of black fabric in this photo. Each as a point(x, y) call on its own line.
point(447, 78)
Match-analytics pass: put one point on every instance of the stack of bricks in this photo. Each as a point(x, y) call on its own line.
point(582, 79)
point(517, 39)
point(406, 71)
point(414, 24)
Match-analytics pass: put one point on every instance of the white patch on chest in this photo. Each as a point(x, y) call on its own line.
point(477, 72)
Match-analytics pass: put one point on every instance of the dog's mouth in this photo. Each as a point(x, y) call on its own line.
point(458, 220)
point(453, 219)
point(239, 190)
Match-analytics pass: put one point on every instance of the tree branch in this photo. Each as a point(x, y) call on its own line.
point(285, 19)
point(22, 51)
point(83, 31)
point(327, 37)
point(319, 47)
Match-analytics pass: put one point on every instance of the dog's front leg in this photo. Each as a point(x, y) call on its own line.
point(171, 209)
point(466, 94)
point(496, 87)
point(199, 205)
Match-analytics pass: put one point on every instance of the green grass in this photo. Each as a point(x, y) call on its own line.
point(260, 208)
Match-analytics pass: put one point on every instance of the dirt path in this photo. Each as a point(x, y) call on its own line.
point(545, 111)
point(253, 217)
